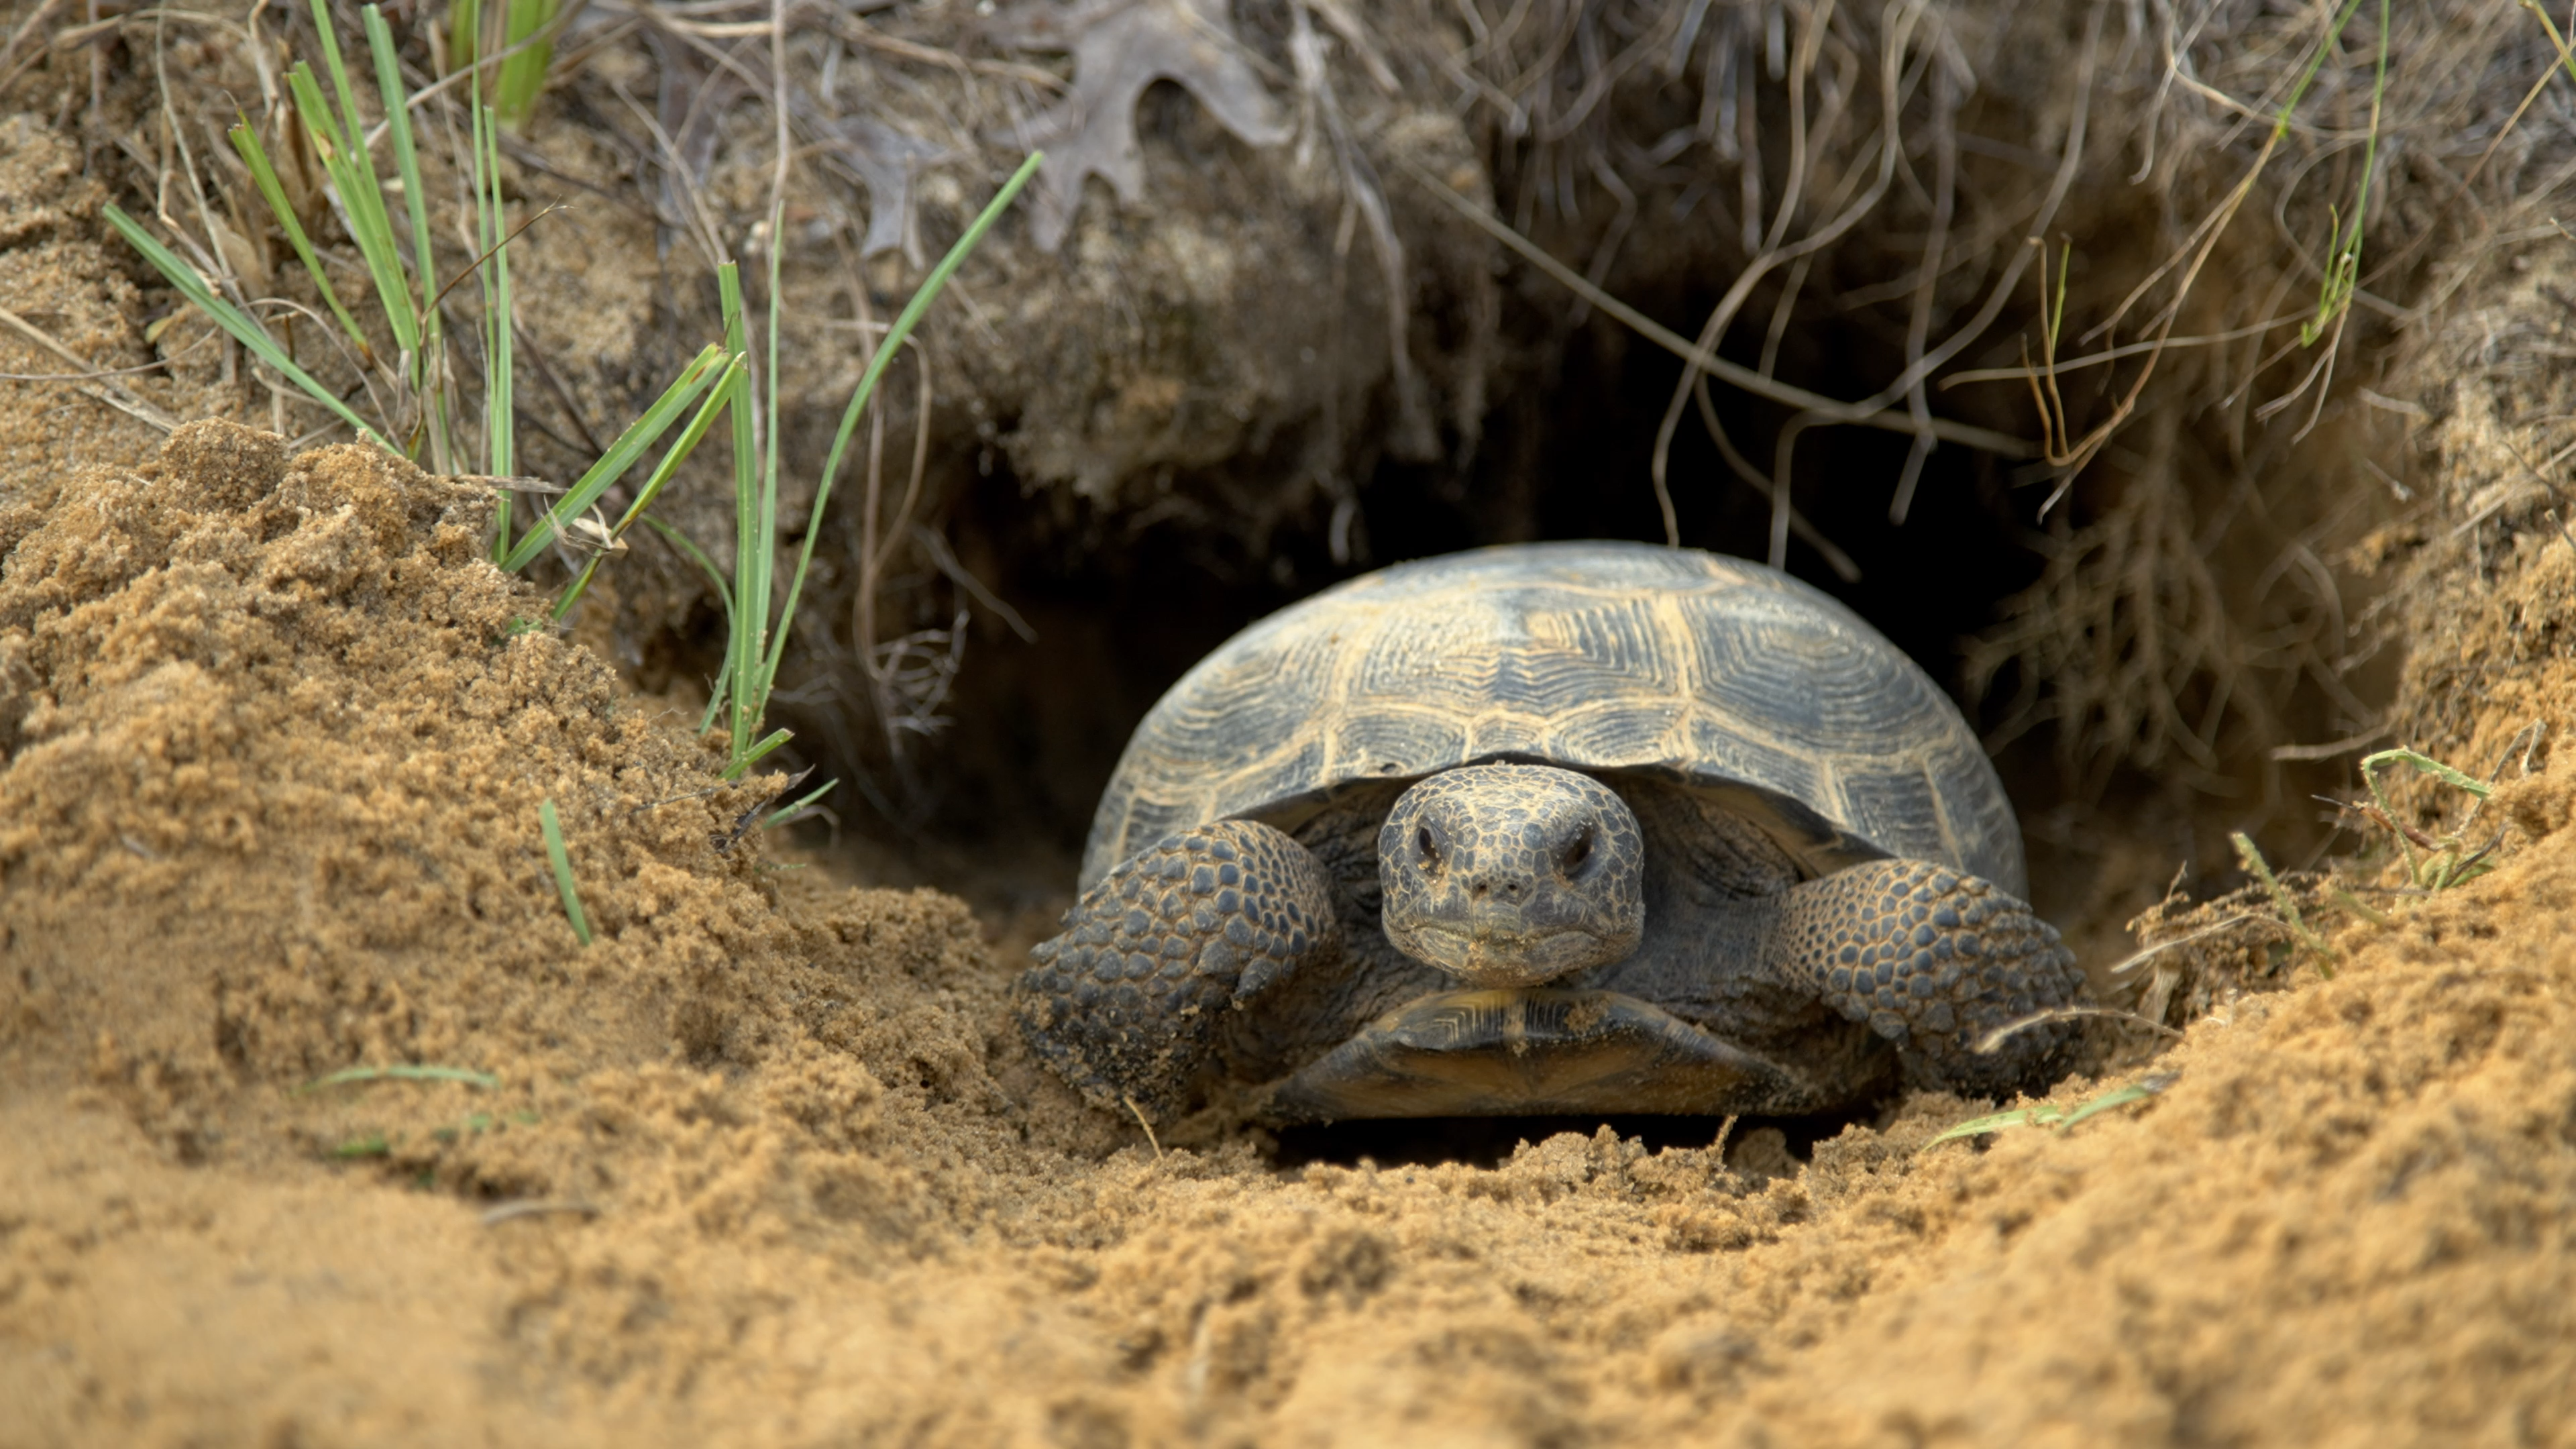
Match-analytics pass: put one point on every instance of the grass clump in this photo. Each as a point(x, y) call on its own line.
point(755, 641)
point(418, 412)
point(2200, 953)
point(2447, 860)
point(414, 406)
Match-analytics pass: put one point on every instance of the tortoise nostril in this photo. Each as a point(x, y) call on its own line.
point(1578, 853)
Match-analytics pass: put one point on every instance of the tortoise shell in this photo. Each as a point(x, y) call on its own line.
point(1723, 676)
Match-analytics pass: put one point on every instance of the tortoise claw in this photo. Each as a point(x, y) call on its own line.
point(1126, 1002)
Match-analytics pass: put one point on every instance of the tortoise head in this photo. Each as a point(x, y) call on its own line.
point(1511, 875)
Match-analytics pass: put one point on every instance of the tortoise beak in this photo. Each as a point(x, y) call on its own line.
point(1499, 950)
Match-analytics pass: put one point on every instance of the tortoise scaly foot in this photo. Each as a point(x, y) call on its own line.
point(1933, 960)
point(1130, 1001)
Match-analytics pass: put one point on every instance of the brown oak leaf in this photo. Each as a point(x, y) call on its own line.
point(1119, 48)
point(884, 160)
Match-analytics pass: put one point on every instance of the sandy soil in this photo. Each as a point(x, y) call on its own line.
point(764, 1164)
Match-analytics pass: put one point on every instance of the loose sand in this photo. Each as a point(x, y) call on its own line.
point(765, 1164)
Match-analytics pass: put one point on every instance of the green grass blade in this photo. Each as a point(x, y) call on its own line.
point(315, 112)
point(2566, 57)
point(561, 859)
point(757, 752)
point(573, 591)
point(754, 547)
point(2343, 243)
point(715, 712)
point(724, 598)
point(769, 478)
point(2049, 1114)
point(2250, 857)
point(350, 121)
point(2388, 809)
point(361, 201)
point(235, 322)
point(501, 525)
point(2361, 908)
point(774, 635)
point(524, 75)
point(355, 173)
point(405, 1072)
point(500, 360)
point(264, 175)
point(621, 455)
point(1998, 1121)
point(785, 813)
point(396, 98)
point(904, 323)
point(465, 35)
point(2430, 766)
point(397, 103)
point(2119, 1097)
point(2316, 62)
point(714, 402)
point(500, 403)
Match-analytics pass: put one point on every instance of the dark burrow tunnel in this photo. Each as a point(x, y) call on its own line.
point(1038, 725)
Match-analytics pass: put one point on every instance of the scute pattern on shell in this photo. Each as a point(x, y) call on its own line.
point(1595, 656)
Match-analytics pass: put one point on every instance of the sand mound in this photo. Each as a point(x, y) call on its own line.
point(276, 738)
point(765, 1165)
point(279, 727)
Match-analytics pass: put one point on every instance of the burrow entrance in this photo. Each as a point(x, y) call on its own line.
point(1120, 611)
point(1001, 798)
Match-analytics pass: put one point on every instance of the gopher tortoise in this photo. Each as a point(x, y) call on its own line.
point(1550, 828)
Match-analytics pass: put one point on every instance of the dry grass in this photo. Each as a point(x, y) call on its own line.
point(2128, 215)
point(2222, 178)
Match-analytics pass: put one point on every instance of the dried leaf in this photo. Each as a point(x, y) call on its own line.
point(690, 107)
point(883, 159)
point(1119, 48)
point(697, 93)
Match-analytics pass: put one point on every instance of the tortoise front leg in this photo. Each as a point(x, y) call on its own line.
point(1130, 1002)
point(1933, 960)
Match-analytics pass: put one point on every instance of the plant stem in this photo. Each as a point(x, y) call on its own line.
point(2253, 861)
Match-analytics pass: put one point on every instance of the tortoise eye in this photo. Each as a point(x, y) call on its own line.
point(1577, 853)
point(1430, 852)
